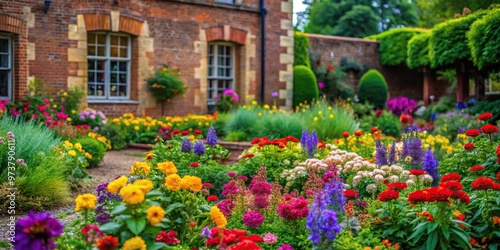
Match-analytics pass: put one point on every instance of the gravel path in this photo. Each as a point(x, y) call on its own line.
point(115, 163)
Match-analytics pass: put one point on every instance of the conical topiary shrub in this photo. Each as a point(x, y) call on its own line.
point(373, 88)
point(305, 87)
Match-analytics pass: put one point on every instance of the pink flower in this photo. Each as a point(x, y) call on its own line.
point(270, 238)
point(41, 108)
point(293, 209)
point(321, 85)
point(253, 219)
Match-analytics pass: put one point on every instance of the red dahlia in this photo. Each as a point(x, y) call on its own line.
point(472, 132)
point(469, 146)
point(483, 183)
point(452, 185)
point(388, 195)
point(398, 186)
point(255, 140)
point(176, 131)
point(345, 134)
point(417, 172)
point(496, 186)
point(107, 243)
point(197, 132)
point(485, 116)
point(462, 196)
point(374, 129)
point(194, 165)
point(350, 194)
point(489, 129)
point(476, 168)
point(184, 132)
point(418, 196)
point(451, 176)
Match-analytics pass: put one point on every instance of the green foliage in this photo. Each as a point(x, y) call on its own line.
point(220, 125)
point(436, 11)
point(244, 120)
point(335, 80)
point(305, 87)
point(301, 50)
point(452, 123)
point(373, 88)
point(237, 135)
point(387, 122)
point(418, 50)
point(166, 83)
point(445, 104)
point(349, 23)
point(347, 64)
point(394, 44)
point(486, 106)
point(93, 147)
point(281, 125)
point(484, 39)
point(448, 43)
point(115, 134)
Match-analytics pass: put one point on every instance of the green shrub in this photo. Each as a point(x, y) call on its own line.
point(244, 120)
point(389, 124)
point(305, 87)
point(418, 50)
point(373, 88)
point(220, 125)
point(483, 39)
point(93, 147)
point(301, 50)
point(281, 125)
point(237, 135)
point(115, 134)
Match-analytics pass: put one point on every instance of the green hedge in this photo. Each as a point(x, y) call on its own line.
point(417, 54)
point(373, 88)
point(301, 50)
point(393, 44)
point(448, 43)
point(305, 87)
point(483, 39)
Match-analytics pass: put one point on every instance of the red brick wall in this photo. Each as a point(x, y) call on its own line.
point(174, 26)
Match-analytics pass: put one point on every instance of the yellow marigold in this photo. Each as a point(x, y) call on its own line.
point(140, 168)
point(68, 144)
point(132, 194)
point(145, 185)
point(72, 152)
point(167, 167)
point(135, 243)
point(88, 156)
point(78, 146)
point(114, 186)
point(192, 183)
point(137, 128)
point(155, 214)
point(173, 182)
point(218, 217)
point(85, 201)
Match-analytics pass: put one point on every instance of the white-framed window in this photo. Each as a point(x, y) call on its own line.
point(226, 1)
point(5, 67)
point(108, 57)
point(220, 69)
point(492, 84)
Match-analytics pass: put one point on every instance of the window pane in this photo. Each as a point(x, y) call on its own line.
point(91, 38)
point(114, 40)
point(100, 90)
point(123, 67)
point(4, 45)
point(113, 66)
point(122, 90)
point(113, 78)
point(91, 77)
point(91, 91)
point(4, 61)
point(114, 52)
point(101, 51)
point(123, 52)
point(91, 50)
point(228, 72)
point(101, 39)
point(100, 77)
point(100, 65)
point(123, 78)
point(123, 41)
point(4, 83)
point(113, 90)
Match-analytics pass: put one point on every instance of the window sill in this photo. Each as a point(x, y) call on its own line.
point(97, 101)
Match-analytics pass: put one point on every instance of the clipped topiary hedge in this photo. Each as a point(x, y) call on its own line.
point(305, 87)
point(373, 88)
point(417, 54)
point(448, 43)
point(483, 39)
point(393, 44)
point(301, 50)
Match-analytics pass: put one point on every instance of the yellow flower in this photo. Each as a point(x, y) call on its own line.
point(132, 194)
point(145, 185)
point(218, 217)
point(167, 167)
point(72, 152)
point(85, 201)
point(192, 183)
point(266, 106)
point(68, 119)
point(88, 156)
point(331, 116)
point(54, 106)
point(259, 114)
point(140, 168)
point(73, 111)
point(320, 112)
point(68, 144)
point(65, 94)
point(135, 243)
point(155, 214)
point(315, 119)
point(137, 128)
point(173, 182)
point(78, 146)
point(254, 102)
point(115, 185)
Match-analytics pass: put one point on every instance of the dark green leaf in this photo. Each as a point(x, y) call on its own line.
point(110, 228)
point(432, 240)
point(118, 209)
point(136, 225)
point(173, 206)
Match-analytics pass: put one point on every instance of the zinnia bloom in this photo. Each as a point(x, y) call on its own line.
point(173, 182)
point(144, 184)
point(132, 194)
point(350, 193)
point(168, 238)
point(398, 186)
point(418, 196)
point(194, 164)
point(388, 195)
point(253, 219)
point(155, 214)
point(452, 185)
point(405, 118)
point(285, 247)
point(167, 167)
point(135, 243)
point(192, 183)
point(472, 132)
point(476, 168)
point(107, 242)
point(485, 116)
point(483, 183)
point(451, 176)
point(358, 133)
point(417, 172)
point(91, 233)
point(218, 217)
point(212, 198)
point(489, 129)
point(439, 193)
point(469, 146)
point(345, 134)
point(37, 231)
point(85, 201)
point(114, 186)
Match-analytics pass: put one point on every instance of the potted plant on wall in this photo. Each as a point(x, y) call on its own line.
point(165, 84)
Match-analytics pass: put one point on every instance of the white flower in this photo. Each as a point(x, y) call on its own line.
point(286, 162)
point(427, 179)
point(410, 182)
point(371, 188)
point(393, 178)
point(379, 178)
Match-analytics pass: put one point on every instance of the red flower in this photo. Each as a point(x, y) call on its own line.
point(248, 156)
point(452, 185)
point(430, 218)
point(497, 152)
point(398, 186)
point(472, 132)
point(417, 172)
point(194, 165)
point(197, 131)
point(483, 183)
point(405, 118)
point(462, 196)
point(374, 129)
point(255, 140)
point(350, 194)
point(168, 238)
point(291, 138)
point(185, 132)
point(388, 195)
point(485, 116)
point(176, 131)
point(498, 176)
point(439, 194)
point(378, 112)
point(489, 129)
point(345, 134)
point(451, 176)
point(469, 146)
point(212, 198)
point(476, 168)
point(358, 133)
point(107, 242)
point(418, 196)
point(206, 184)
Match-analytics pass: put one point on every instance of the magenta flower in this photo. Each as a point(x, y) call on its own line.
point(274, 94)
point(285, 247)
point(321, 85)
point(37, 231)
point(270, 238)
point(253, 219)
point(230, 92)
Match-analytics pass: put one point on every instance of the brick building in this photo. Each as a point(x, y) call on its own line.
point(108, 48)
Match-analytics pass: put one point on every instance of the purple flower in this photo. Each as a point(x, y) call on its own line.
point(186, 145)
point(226, 207)
point(230, 188)
point(81, 117)
point(199, 148)
point(412, 146)
point(231, 174)
point(321, 85)
point(274, 94)
point(309, 142)
point(285, 247)
point(381, 154)
point(242, 177)
point(37, 231)
point(401, 105)
point(102, 218)
point(230, 92)
point(430, 165)
point(211, 137)
point(261, 187)
point(253, 219)
point(392, 153)
point(205, 232)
